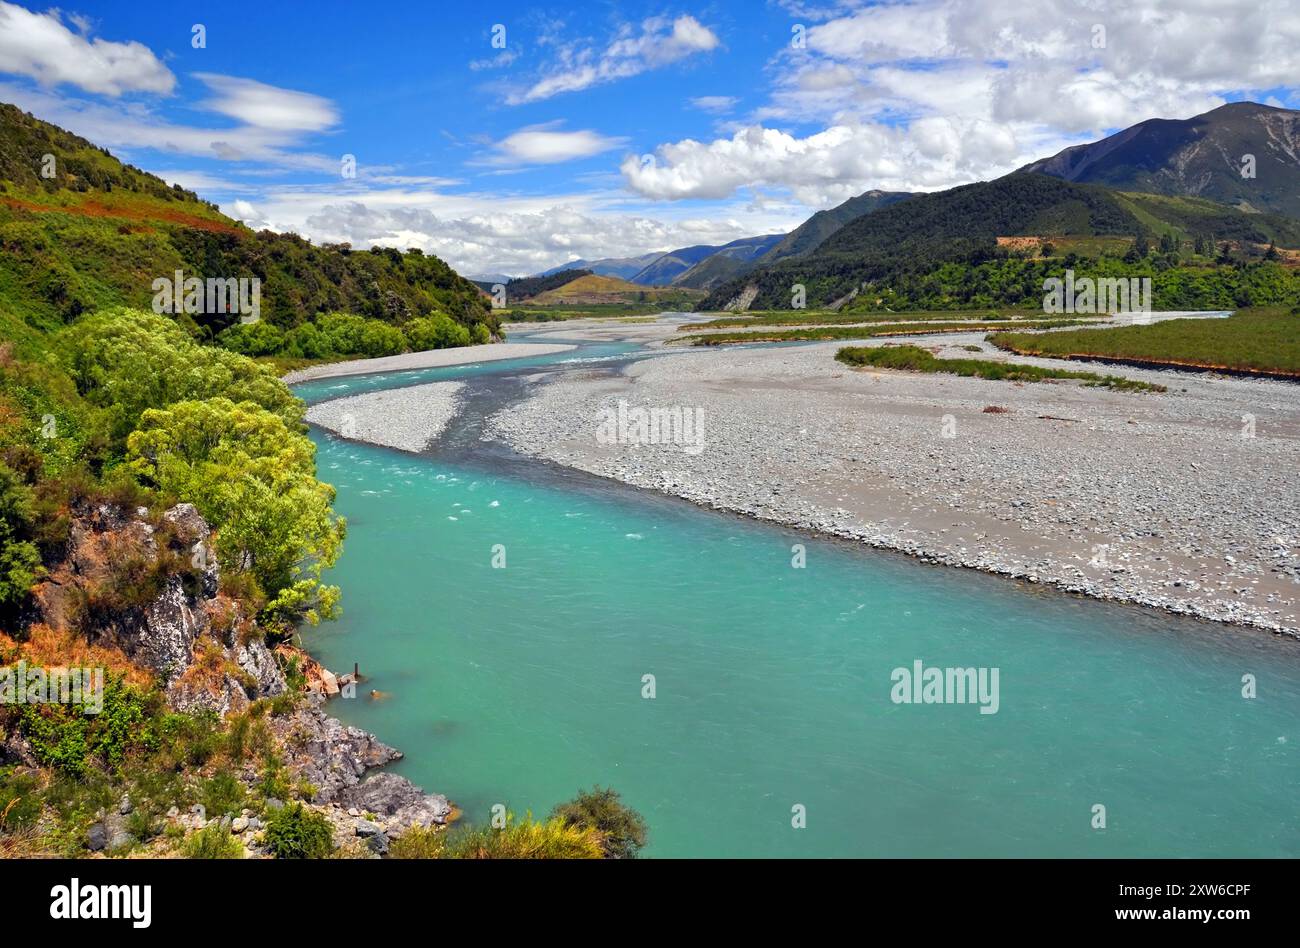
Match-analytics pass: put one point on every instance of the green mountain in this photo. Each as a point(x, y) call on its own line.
point(97, 233)
point(810, 235)
point(962, 225)
point(1197, 157)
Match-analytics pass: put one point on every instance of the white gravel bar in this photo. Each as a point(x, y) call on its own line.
point(430, 359)
point(1184, 501)
point(403, 418)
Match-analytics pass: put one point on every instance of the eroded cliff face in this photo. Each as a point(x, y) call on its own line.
point(151, 590)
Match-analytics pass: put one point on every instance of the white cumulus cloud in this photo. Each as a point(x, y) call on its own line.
point(41, 47)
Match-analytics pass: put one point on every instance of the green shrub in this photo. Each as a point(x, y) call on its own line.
point(222, 794)
point(296, 832)
point(142, 824)
point(275, 780)
point(622, 829)
point(193, 739)
point(126, 361)
point(253, 339)
point(20, 802)
point(20, 561)
point(67, 738)
point(349, 334)
point(254, 479)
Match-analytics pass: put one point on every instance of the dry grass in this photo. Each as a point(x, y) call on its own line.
point(66, 648)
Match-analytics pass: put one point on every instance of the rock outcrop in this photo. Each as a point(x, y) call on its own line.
point(326, 753)
point(151, 590)
point(401, 802)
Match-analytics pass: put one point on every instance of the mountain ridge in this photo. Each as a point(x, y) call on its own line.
point(1203, 156)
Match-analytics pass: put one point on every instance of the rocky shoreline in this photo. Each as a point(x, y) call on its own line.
point(1182, 501)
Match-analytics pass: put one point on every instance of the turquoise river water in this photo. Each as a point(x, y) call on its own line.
point(520, 685)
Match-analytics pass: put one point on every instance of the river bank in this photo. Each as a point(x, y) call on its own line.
point(1173, 501)
point(429, 359)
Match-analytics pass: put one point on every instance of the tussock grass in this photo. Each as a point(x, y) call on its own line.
point(518, 839)
point(916, 359)
point(212, 842)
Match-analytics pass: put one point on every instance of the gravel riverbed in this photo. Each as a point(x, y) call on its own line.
point(1184, 501)
point(403, 418)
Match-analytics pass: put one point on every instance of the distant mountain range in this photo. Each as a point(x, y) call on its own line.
point(622, 267)
point(703, 267)
point(711, 264)
point(1202, 157)
point(677, 267)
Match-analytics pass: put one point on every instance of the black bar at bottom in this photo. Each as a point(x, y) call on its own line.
point(338, 898)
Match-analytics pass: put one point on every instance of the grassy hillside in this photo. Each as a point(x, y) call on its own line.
point(525, 288)
point(594, 289)
point(1190, 217)
point(100, 232)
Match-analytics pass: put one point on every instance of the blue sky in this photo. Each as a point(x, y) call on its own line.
point(604, 129)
